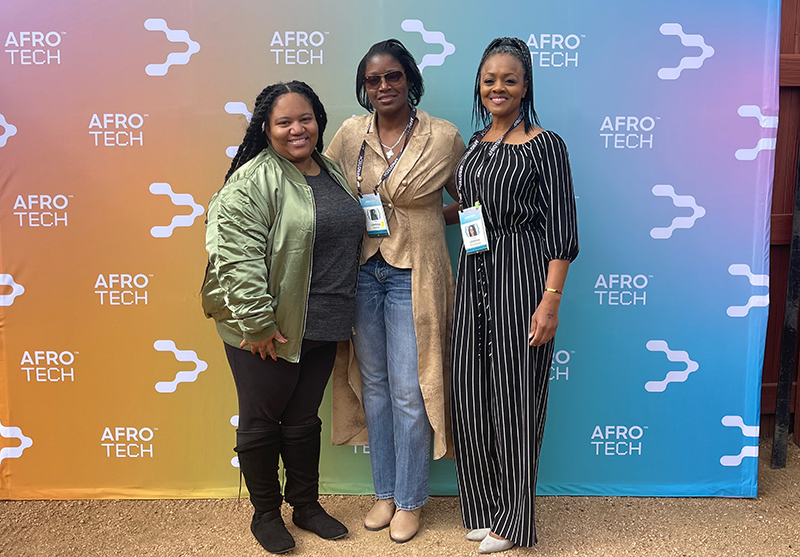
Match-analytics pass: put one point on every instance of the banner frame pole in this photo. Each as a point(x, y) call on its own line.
point(788, 338)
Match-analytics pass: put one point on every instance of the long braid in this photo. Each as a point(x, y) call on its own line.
point(255, 139)
point(519, 50)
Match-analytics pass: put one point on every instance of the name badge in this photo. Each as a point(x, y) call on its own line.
point(473, 230)
point(376, 218)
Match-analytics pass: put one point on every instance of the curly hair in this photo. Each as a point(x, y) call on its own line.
point(395, 49)
point(255, 140)
point(519, 50)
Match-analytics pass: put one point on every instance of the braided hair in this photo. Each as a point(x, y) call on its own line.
point(255, 139)
point(519, 50)
point(395, 49)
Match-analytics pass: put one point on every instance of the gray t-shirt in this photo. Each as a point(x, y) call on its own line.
point(334, 267)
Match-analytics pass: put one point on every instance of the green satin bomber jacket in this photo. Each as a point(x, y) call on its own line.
point(259, 236)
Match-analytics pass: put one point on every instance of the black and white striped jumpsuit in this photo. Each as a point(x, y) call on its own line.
point(499, 383)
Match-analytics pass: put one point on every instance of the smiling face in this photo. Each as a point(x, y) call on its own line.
point(391, 94)
point(503, 85)
point(292, 128)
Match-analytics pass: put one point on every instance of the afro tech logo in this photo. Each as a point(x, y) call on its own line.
point(122, 289)
point(559, 368)
point(687, 62)
point(680, 356)
point(430, 37)
point(42, 210)
point(48, 366)
point(173, 36)
point(16, 289)
point(298, 47)
point(681, 201)
point(748, 431)
point(14, 433)
point(179, 200)
point(554, 50)
point(9, 130)
point(628, 132)
point(34, 48)
point(622, 289)
point(182, 356)
point(128, 442)
point(765, 143)
point(617, 440)
point(117, 130)
point(756, 300)
point(237, 108)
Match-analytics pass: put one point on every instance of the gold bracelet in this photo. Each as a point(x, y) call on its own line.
point(553, 290)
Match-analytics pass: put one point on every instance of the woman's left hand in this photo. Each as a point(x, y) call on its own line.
point(264, 346)
point(544, 320)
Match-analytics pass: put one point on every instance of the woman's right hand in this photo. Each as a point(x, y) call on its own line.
point(264, 346)
point(450, 213)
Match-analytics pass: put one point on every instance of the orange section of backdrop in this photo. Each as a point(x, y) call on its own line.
point(94, 132)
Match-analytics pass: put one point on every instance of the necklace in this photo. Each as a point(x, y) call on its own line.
point(309, 167)
point(388, 171)
point(390, 150)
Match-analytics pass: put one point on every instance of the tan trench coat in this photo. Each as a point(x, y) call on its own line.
point(412, 200)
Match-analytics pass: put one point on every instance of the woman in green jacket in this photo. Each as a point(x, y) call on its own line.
point(283, 206)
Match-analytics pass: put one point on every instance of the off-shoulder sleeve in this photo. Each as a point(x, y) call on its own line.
point(558, 197)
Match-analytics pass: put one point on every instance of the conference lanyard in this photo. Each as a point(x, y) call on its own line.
point(473, 228)
point(486, 158)
point(388, 171)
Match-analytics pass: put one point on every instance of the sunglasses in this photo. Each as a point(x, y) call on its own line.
point(392, 78)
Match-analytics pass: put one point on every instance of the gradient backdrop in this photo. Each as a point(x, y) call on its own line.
point(109, 155)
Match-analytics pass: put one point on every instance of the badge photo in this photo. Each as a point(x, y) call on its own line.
point(376, 218)
point(473, 230)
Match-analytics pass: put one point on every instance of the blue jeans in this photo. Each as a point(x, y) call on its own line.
point(386, 348)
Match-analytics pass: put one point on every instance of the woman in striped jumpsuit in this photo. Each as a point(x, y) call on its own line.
point(507, 300)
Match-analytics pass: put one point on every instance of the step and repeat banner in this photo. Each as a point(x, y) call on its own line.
point(117, 124)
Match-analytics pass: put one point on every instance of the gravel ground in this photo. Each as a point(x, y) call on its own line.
point(588, 526)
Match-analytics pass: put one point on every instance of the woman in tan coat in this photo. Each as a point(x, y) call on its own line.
point(398, 159)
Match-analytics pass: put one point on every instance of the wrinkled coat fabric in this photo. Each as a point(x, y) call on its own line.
point(259, 238)
point(412, 199)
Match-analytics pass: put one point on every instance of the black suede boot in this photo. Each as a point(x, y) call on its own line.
point(300, 453)
point(258, 460)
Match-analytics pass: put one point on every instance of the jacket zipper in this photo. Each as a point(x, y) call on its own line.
point(310, 266)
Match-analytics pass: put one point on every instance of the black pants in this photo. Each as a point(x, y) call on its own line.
point(281, 393)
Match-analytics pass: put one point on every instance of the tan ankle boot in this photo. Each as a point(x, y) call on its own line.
point(379, 515)
point(404, 525)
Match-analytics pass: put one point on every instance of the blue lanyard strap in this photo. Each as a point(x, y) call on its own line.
point(388, 171)
point(475, 142)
